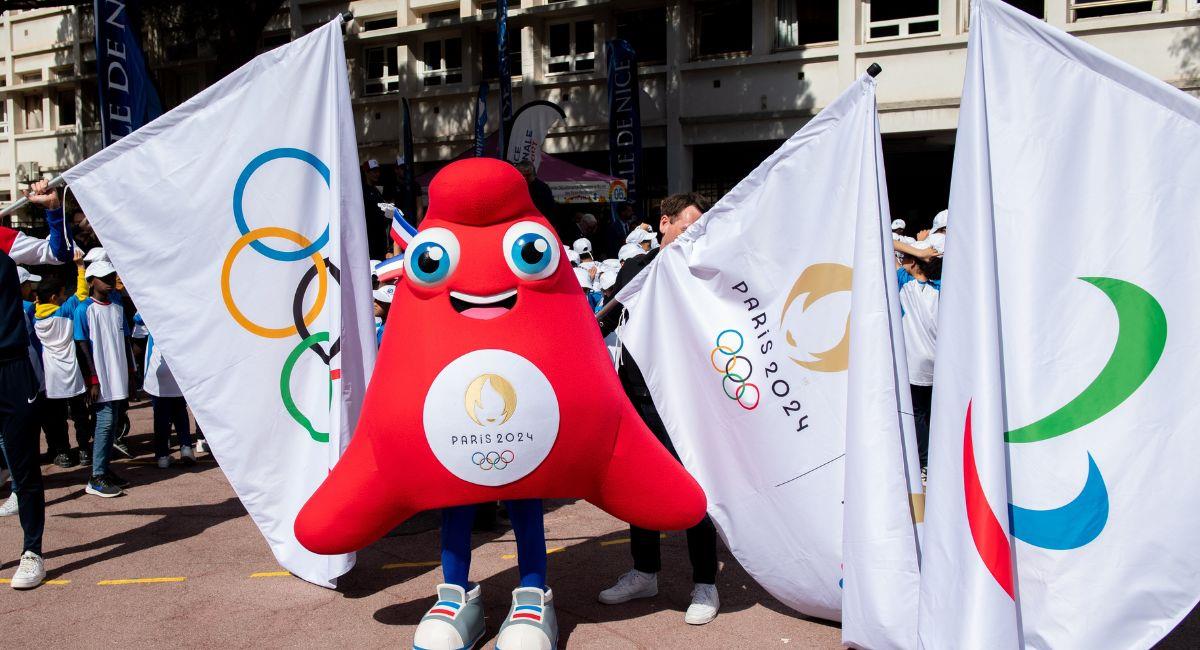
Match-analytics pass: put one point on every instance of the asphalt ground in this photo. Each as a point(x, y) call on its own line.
point(176, 562)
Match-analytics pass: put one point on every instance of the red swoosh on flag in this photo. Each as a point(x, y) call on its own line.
point(990, 540)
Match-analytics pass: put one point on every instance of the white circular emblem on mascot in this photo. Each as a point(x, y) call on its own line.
point(491, 417)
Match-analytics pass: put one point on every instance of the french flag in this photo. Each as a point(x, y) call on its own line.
point(390, 269)
point(402, 231)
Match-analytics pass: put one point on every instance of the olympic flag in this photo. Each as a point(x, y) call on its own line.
point(236, 222)
point(1066, 347)
point(742, 330)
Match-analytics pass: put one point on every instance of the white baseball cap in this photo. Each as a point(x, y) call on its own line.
point(582, 246)
point(629, 251)
point(372, 164)
point(23, 276)
point(95, 255)
point(611, 264)
point(939, 220)
point(385, 293)
point(608, 278)
point(639, 235)
point(898, 224)
point(99, 269)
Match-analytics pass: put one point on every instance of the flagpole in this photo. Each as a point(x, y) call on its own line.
point(57, 181)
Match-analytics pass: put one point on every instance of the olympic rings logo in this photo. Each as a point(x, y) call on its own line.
point(735, 369)
point(492, 459)
point(321, 270)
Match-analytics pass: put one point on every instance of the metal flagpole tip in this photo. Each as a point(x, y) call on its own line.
point(874, 69)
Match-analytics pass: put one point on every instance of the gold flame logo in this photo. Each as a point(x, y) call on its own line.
point(490, 400)
point(816, 282)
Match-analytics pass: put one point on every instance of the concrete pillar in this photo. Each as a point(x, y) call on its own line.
point(294, 19)
point(679, 155)
point(849, 25)
point(531, 61)
point(1058, 12)
point(762, 36)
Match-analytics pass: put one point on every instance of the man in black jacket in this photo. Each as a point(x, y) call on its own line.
point(678, 212)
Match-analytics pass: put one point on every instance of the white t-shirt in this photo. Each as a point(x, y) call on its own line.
point(103, 323)
point(919, 307)
point(57, 334)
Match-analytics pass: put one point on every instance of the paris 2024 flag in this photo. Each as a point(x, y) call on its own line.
point(1067, 359)
point(756, 331)
point(235, 220)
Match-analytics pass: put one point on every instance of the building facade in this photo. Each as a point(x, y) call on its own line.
point(723, 81)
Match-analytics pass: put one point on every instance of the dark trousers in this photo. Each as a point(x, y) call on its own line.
point(701, 538)
point(922, 397)
point(53, 415)
point(20, 444)
point(168, 412)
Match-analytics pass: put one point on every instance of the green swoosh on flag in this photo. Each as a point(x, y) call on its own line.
point(1141, 337)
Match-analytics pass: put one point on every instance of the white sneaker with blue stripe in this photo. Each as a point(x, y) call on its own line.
point(455, 622)
point(531, 622)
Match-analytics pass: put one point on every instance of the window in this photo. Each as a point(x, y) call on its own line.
point(646, 32)
point(30, 77)
point(723, 27)
point(33, 113)
point(443, 16)
point(383, 71)
point(572, 47)
point(3, 116)
point(1035, 8)
point(488, 50)
point(379, 23)
point(1096, 8)
point(442, 62)
point(901, 18)
point(66, 109)
point(803, 22)
point(91, 109)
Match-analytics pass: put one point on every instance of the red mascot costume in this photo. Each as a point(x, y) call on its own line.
point(476, 398)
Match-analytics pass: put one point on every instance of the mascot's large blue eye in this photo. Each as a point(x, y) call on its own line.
point(431, 257)
point(531, 250)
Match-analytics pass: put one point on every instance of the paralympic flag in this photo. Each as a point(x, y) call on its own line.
point(1066, 349)
point(235, 220)
point(742, 330)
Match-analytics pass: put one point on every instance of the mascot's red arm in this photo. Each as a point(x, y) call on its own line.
point(643, 473)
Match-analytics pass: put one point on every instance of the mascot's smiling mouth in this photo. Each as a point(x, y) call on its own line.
point(483, 307)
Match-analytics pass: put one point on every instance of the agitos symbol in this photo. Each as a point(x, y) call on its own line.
point(1141, 338)
point(321, 270)
point(818, 281)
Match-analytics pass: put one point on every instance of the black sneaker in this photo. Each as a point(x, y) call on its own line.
point(116, 479)
point(85, 457)
point(101, 487)
point(64, 460)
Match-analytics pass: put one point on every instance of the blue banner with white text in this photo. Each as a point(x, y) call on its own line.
point(506, 109)
point(481, 118)
point(127, 96)
point(624, 118)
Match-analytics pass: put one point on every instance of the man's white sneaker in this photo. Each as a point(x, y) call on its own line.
point(704, 605)
point(164, 462)
point(30, 573)
point(10, 507)
point(187, 454)
point(631, 586)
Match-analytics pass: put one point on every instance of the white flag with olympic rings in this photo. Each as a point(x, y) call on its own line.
point(236, 222)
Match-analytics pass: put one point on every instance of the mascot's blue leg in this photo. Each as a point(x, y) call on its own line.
point(526, 518)
point(456, 544)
